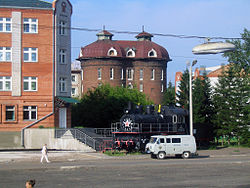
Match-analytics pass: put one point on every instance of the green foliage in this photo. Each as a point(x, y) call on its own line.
point(232, 95)
point(115, 153)
point(105, 104)
point(183, 95)
point(169, 95)
point(202, 104)
point(231, 103)
point(241, 55)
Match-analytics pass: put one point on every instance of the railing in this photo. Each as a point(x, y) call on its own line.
point(104, 132)
point(79, 135)
point(150, 127)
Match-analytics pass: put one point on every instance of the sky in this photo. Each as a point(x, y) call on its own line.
point(209, 18)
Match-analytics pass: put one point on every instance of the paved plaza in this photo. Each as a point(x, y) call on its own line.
point(228, 167)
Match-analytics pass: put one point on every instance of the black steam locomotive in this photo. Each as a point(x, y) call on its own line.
point(137, 125)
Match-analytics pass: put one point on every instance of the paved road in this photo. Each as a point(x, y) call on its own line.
point(97, 170)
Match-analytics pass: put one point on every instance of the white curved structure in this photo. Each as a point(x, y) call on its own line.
point(213, 48)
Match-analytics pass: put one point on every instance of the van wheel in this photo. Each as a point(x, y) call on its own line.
point(161, 155)
point(185, 155)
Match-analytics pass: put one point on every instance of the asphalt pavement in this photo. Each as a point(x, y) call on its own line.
point(227, 167)
point(57, 156)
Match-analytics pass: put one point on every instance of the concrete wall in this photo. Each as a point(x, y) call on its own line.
point(10, 140)
point(36, 138)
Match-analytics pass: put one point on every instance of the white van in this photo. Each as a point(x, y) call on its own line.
point(179, 145)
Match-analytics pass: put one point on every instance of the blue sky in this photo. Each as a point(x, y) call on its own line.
point(212, 18)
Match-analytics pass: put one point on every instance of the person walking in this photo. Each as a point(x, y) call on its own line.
point(45, 153)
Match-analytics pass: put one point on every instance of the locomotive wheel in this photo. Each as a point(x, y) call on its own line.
point(186, 155)
point(161, 155)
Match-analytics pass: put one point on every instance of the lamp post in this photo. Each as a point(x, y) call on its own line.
point(191, 97)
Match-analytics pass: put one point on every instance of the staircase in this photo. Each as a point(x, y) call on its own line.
point(87, 136)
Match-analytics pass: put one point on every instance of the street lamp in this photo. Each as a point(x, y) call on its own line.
point(213, 48)
point(190, 96)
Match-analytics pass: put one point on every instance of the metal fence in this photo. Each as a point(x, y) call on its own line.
point(104, 132)
point(151, 127)
point(79, 135)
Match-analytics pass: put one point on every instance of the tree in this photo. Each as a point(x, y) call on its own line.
point(231, 99)
point(169, 95)
point(202, 109)
point(202, 104)
point(183, 94)
point(241, 54)
point(241, 91)
point(105, 104)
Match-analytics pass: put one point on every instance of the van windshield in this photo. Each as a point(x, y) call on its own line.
point(152, 140)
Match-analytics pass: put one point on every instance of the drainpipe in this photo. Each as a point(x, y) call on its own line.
point(53, 67)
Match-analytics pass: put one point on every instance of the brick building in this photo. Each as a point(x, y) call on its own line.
point(35, 64)
point(76, 80)
point(212, 73)
point(141, 64)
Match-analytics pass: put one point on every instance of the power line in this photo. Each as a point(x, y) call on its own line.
point(181, 36)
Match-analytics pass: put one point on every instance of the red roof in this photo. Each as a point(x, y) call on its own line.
point(104, 32)
point(143, 34)
point(100, 48)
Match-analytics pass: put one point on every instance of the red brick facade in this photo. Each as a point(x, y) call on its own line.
point(141, 64)
point(35, 104)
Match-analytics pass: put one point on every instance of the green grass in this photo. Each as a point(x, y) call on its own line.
point(120, 153)
point(115, 153)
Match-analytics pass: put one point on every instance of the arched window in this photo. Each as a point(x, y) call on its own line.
point(130, 86)
point(112, 52)
point(152, 53)
point(174, 119)
point(130, 53)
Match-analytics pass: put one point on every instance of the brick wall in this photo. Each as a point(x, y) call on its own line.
point(152, 88)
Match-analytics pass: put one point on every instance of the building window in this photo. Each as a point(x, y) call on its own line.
point(99, 73)
point(10, 113)
point(130, 53)
point(130, 86)
point(62, 84)
point(62, 28)
point(130, 74)
point(152, 74)
point(30, 83)
point(141, 74)
point(5, 83)
point(29, 113)
point(73, 78)
point(111, 73)
point(122, 74)
point(5, 54)
point(5, 25)
point(162, 74)
point(30, 25)
point(112, 52)
point(141, 88)
point(62, 56)
point(162, 88)
point(73, 91)
point(30, 54)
